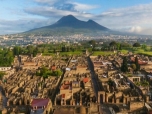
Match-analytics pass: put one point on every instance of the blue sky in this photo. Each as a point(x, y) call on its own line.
point(122, 15)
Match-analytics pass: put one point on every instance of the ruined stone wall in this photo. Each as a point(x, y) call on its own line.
point(136, 105)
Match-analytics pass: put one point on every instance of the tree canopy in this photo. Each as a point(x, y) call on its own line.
point(124, 67)
point(137, 64)
point(136, 44)
point(45, 72)
point(6, 58)
point(92, 42)
point(1, 75)
point(113, 43)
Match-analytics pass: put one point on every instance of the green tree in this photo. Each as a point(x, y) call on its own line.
point(17, 50)
point(136, 44)
point(58, 72)
point(93, 43)
point(54, 50)
point(125, 45)
point(137, 64)
point(124, 66)
point(133, 66)
point(67, 49)
point(120, 47)
point(30, 49)
point(63, 49)
point(1, 75)
point(144, 46)
point(113, 45)
point(145, 83)
point(110, 82)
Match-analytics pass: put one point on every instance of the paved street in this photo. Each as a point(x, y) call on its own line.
point(103, 108)
point(4, 103)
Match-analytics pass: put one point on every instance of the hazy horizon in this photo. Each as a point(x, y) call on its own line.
point(128, 16)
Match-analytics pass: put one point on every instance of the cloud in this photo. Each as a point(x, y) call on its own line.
point(58, 8)
point(136, 29)
point(135, 15)
point(50, 2)
point(51, 12)
point(21, 25)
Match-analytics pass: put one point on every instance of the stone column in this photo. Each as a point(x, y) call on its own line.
point(124, 100)
point(113, 100)
point(117, 100)
point(74, 102)
point(55, 102)
point(147, 98)
point(107, 98)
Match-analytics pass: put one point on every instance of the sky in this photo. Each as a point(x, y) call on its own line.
point(133, 16)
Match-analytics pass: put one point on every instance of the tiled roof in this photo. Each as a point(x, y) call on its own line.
point(53, 68)
point(139, 61)
point(85, 80)
point(39, 102)
point(64, 87)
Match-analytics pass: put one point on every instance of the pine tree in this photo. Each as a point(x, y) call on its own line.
point(124, 67)
point(137, 64)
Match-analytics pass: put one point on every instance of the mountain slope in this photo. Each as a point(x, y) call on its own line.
point(69, 24)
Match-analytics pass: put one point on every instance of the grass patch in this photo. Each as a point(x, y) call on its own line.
point(138, 51)
point(71, 53)
point(124, 51)
point(63, 53)
point(48, 54)
point(141, 51)
point(96, 53)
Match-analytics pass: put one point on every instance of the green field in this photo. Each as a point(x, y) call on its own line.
point(96, 53)
point(124, 51)
point(141, 51)
point(71, 53)
point(64, 53)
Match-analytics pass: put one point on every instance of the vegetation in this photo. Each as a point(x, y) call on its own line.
point(92, 43)
point(110, 82)
point(113, 45)
point(133, 66)
point(6, 58)
point(96, 53)
point(136, 44)
point(1, 75)
point(143, 83)
point(29, 50)
point(45, 72)
point(124, 66)
point(137, 64)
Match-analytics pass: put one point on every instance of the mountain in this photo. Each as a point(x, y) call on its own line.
point(67, 25)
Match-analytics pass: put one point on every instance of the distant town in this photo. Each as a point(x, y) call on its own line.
point(23, 40)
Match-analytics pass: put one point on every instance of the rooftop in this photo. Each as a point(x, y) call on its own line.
point(39, 102)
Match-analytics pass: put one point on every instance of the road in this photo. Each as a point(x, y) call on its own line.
point(96, 86)
point(59, 83)
point(4, 102)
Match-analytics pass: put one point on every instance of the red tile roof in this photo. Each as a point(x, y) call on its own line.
point(85, 80)
point(139, 61)
point(150, 112)
point(63, 95)
point(39, 102)
point(64, 87)
point(53, 68)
